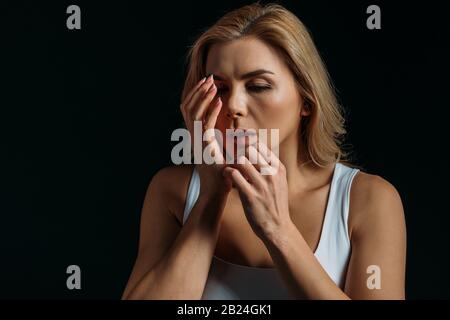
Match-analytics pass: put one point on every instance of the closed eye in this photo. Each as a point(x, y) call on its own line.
point(259, 88)
point(252, 88)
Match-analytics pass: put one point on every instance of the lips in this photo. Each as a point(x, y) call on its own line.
point(245, 131)
point(246, 140)
point(236, 142)
point(240, 138)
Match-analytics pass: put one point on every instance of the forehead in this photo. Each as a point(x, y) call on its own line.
point(244, 55)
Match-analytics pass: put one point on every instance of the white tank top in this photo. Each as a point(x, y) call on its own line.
point(233, 281)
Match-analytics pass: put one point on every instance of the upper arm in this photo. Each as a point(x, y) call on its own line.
point(158, 227)
point(378, 238)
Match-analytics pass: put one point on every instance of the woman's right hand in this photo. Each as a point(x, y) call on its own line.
point(201, 105)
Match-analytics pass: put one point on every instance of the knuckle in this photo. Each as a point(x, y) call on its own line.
point(265, 192)
point(271, 178)
point(203, 89)
point(196, 117)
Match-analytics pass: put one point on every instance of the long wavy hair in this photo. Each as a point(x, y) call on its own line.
point(323, 131)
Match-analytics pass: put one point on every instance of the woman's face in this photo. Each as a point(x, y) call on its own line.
point(257, 89)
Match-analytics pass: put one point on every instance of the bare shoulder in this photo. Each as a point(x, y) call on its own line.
point(170, 184)
point(374, 203)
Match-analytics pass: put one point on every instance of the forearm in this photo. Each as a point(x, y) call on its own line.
point(299, 268)
point(183, 271)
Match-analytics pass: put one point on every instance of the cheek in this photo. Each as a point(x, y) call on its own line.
point(280, 108)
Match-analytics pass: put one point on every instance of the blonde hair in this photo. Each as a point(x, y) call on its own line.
point(323, 130)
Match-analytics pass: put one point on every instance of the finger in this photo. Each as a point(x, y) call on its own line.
point(249, 170)
point(238, 180)
point(256, 158)
point(270, 157)
point(213, 113)
point(189, 96)
point(201, 107)
point(212, 153)
point(199, 94)
point(191, 93)
point(210, 131)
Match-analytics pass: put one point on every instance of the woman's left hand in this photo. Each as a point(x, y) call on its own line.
point(264, 196)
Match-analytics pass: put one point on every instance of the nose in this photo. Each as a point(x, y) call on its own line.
point(236, 105)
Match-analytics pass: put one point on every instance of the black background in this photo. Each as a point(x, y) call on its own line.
point(86, 118)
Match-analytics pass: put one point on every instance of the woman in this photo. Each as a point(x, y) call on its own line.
point(318, 228)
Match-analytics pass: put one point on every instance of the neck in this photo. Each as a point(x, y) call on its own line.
point(302, 175)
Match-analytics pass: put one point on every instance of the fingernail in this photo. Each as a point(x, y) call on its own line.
point(210, 77)
point(203, 80)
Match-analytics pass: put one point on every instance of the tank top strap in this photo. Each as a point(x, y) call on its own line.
point(192, 194)
point(334, 246)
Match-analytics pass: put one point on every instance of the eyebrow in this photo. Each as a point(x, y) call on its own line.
point(248, 74)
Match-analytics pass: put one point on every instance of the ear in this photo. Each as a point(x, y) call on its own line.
point(306, 109)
